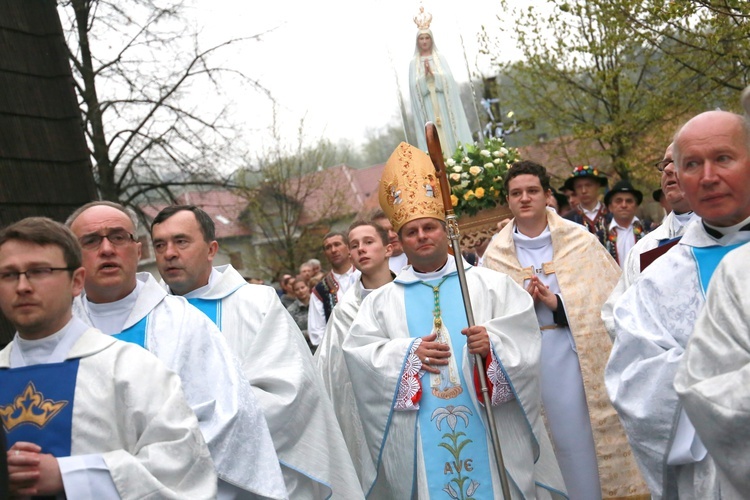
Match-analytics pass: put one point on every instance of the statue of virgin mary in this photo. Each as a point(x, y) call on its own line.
point(434, 94)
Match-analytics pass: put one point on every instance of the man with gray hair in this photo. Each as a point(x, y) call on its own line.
point(135, 308)
point(317, 270)
point(671, 229)
point(655, 317)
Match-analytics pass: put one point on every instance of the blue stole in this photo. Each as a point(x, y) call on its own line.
point(454, 439)
point(136, 334)
point(36, 405)
point(707, 259)
point(209, 307)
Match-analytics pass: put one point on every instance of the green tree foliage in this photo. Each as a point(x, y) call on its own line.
point(710, 38)
point(586, 73)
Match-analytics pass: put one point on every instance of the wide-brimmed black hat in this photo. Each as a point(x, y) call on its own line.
point(623, 187)
point(580, 173)
point(559, 197)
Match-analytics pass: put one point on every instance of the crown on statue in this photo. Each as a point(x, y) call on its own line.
point(423, 19)
point(409, 188)
point(30, 407)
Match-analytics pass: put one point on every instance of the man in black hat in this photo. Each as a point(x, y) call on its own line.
point(624, 228)
point(586, 183)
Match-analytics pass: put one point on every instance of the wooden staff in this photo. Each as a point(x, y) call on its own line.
point(436, 155)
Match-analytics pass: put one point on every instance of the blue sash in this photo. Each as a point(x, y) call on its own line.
point(454, 440)
point(136, 334)
point(36, 405)
point(708, 259)
point(209, 307)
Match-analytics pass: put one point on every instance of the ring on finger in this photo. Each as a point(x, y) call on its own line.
point(427, 360)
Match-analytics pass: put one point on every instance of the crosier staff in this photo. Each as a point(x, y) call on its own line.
point(436, 155)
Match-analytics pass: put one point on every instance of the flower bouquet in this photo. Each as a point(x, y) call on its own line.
point(476, 176)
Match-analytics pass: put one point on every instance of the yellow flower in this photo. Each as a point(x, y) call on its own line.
point(475, 170)
point(454, 200)
point(479, 193)
point(455, 177)
point(468, 195)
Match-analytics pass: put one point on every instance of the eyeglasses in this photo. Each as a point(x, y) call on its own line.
point(118, 238)
point(34, 275)
point(661, 165)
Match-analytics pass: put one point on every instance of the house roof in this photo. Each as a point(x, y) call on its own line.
point(224, 207)
point(338, 191)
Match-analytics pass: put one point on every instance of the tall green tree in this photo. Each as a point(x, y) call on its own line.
point(585, 75)
point(710, 38)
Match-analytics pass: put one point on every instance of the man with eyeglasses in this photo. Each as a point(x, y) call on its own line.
point(668, 233)
point(654, 319)
point(135, 308)
point(63, 384)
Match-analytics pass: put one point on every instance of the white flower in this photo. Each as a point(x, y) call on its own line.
point(450, 162)
point(496, 161)
point(458, 168)
point(497, 154)
point(464, 184)
point(451, 414)
point(473, 485)
point(484, 153)
point(450, 491)
point(466, 160)
point(465, 175)
point(503, 152)
point(487, 165)
point(455, 177)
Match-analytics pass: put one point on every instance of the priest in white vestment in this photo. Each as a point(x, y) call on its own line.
point(673, 226)
point(712, 379)
point(370, 253)
point(272, 351)
point(135, 308)
point(86, 416)
point(569, 274)
point(655, 317)
point(410, 356)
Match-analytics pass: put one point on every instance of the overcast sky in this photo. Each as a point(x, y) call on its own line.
point(335, 62)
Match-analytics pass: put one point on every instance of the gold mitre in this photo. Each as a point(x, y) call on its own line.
point(409, 188)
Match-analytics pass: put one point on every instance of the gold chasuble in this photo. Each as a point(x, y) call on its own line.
point(586, 274)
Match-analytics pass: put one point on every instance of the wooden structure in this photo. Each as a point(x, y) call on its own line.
point(44, 162)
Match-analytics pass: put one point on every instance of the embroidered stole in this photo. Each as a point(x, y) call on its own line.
point(453, 436)
point(36, 405)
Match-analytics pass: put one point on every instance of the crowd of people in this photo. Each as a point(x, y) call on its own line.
point(583, 357)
